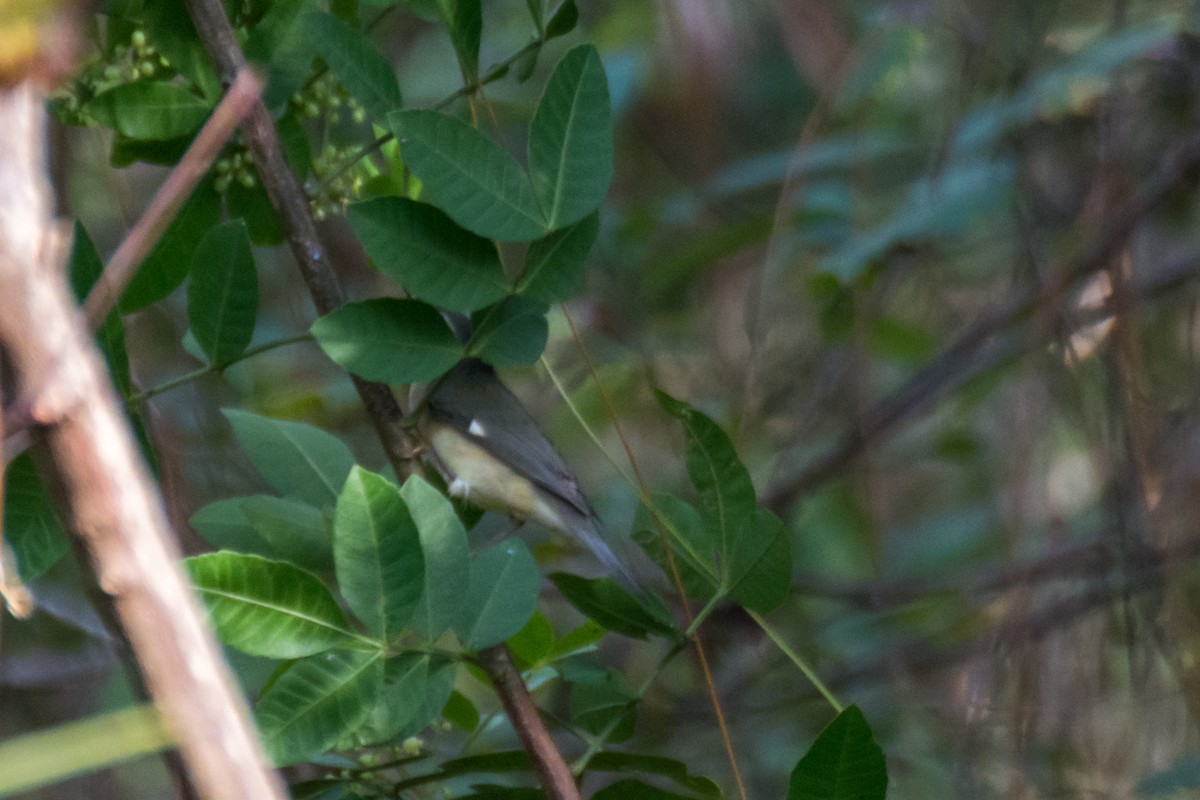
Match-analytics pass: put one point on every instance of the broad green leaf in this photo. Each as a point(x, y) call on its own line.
point(464, 20)
point(84, 268)
point(579, 640)
point(597, 704)
point(534, 641)
point(31, 525)
point(447, 558)
point(563, 21)
point(298, 460)
point(634, 789)
point(168, 263)
point(415, 688)
point(721, 480)
point(760, 563)
point(692, 543)
point(422, 249)
point(317, 702)
point(223, 293)
point(502, 595)
point(844, 763)
point(355, 60)
point(377, 553)
point(676, 771)
point(610, 604)
point(512, 332)
point(554, 264)
point(571, 139)
point(461, 712)
point(469, 176)
point(389, 340)
point(294, 530)
point(253, 206)
point(224, 525)
point(150, 110)
point(269, 608)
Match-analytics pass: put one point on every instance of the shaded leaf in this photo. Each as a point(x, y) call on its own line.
point(293, 530)
point(149, 110)
point(223, 293)
point(353, 57)
point(447, 558)
point(389, 340)
point(298, 460)
point(844, 763)
point(512, 332)
point(502, 595)
point(610, 604)
point(554, 264)
point(31, 526)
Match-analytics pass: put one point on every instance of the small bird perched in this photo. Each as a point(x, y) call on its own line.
point(492, 453)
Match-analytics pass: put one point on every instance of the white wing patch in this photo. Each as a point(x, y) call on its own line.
point(476, 429)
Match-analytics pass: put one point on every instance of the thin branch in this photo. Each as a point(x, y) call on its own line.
point(167, 201)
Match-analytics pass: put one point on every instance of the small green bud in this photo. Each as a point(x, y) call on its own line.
point(138, 38)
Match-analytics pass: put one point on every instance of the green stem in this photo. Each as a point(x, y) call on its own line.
point(795, 658)
point(209, 369)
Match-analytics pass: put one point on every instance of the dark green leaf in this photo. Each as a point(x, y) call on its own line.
point(464, 19)
point(224, 524)
point(298, 460)
point(389, 340)
point(469, 176)
point(447, 558)
point(502, 595)
point(168, 263)
point(512, 332)
point(533, 642)
point(563, 21)
point(677, 771)
point(254, 207)
point(610, 604)
point(269, 608)
point(610, 701)
point(634, 789)
point(31, 525)
point(571, 139)
point(293, 530)
point(691, 542)
point(318, 702)
point(150, 110)
point(461, 712)
point(416, 687)
point(844, 763)
point(425, 252)
point(760, 562)
point(554, 264)
point(355, 60)
point(223, 293)
point(84, 268)
point(377, 553)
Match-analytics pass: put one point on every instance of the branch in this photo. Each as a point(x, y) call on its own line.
point(109, 496)
point(289, 200)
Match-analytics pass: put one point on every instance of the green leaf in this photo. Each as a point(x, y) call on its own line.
point(760, 564)
point(293, 530)
point(377, 553)
point(447, 558)
point(464, 20)
point(676, 771)
point(149, 110)
point(355, 60)
point(422, 249)
point(224, 525)
point(269, 608)
point(554, 264)
point(563, 21)
point(168, 263)
point(725, 491)
point(571, 139)
point(415, 688)
point(84, 267)
point(461, 712)
point(502, 595)
point(223, 293)
point(253, 206)
point(512, 332)
point(844, 763)
point(469, 176)
point(690, 540)
point(597, 704)
point(534, 641)
point(634, 789)
point(389, 340)
point(31, 525)
point(298, 460)
point(318, 702)
point(610, 604)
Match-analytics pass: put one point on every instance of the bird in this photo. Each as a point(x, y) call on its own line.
point(492, 454)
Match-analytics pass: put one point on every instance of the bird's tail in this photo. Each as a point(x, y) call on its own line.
point(588, 532)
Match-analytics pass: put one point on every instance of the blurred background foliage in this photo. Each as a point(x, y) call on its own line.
point(932, 265)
